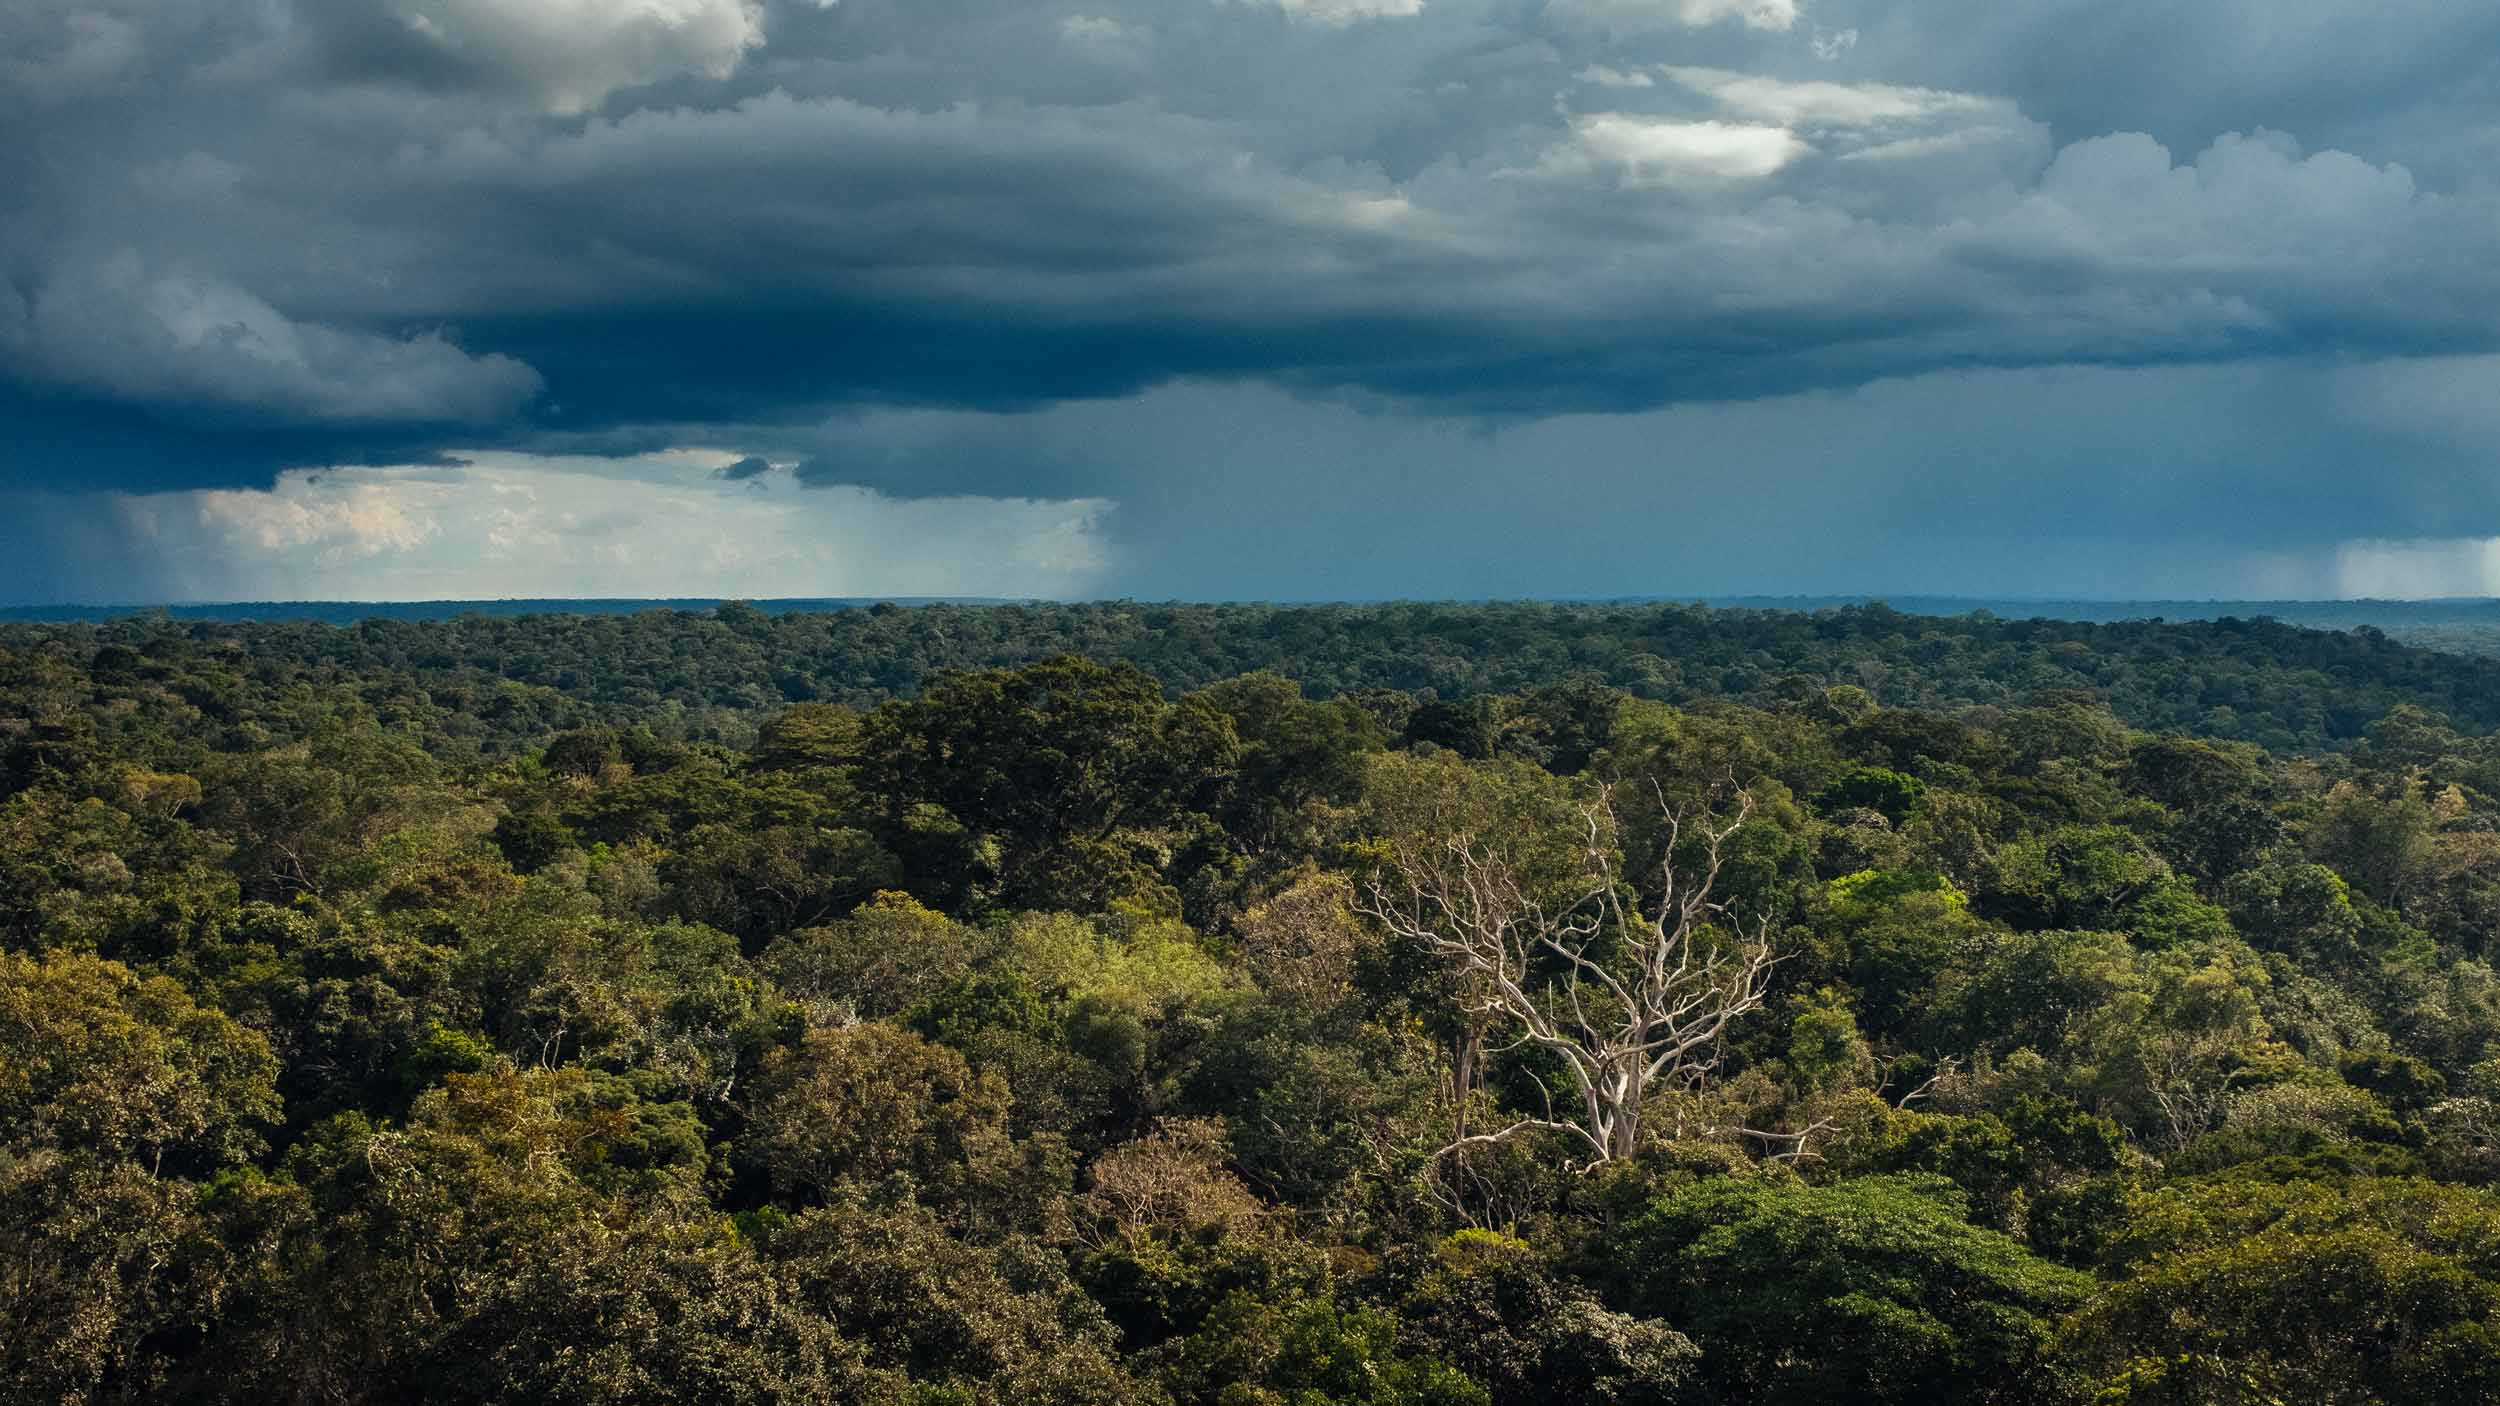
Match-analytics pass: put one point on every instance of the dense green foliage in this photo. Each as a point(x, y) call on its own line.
point(386, 1017)
point(2259, 681)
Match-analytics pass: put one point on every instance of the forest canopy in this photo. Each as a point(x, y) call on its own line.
point(2253, 680)
point(1247, 1006)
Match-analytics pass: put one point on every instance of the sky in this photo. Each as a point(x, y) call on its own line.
point(1248, 299)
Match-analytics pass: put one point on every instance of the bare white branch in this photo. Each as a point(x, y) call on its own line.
point(1647, 1009)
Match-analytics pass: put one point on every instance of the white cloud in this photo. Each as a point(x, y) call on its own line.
point(1345, 12)
point(571, 53)
point(1640, 16)
point(347, 522)
point(1644, 151)
point(515, 525)
point(1817, 104)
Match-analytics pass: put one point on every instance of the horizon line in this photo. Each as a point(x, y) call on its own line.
point(33, 609)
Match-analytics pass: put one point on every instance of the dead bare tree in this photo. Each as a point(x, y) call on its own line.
point(1629, 999)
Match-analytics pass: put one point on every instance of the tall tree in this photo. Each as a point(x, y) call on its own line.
point(1627, 998)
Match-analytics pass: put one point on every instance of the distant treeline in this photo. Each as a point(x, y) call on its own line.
point(2474, 619)
point(350, 612)
point(510, 680)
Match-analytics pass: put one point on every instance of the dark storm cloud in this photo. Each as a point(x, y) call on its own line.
point(1499, 208)
point(249, 234)
point(2217, 480)
point(745, 469)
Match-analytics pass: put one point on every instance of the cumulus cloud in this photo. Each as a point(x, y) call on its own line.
point(2256, 196)
point(2402, 79)
point(566, 54)
point(322, 522)
point(506, 525)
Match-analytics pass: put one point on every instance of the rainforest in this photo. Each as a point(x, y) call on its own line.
point(1166, 1005)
